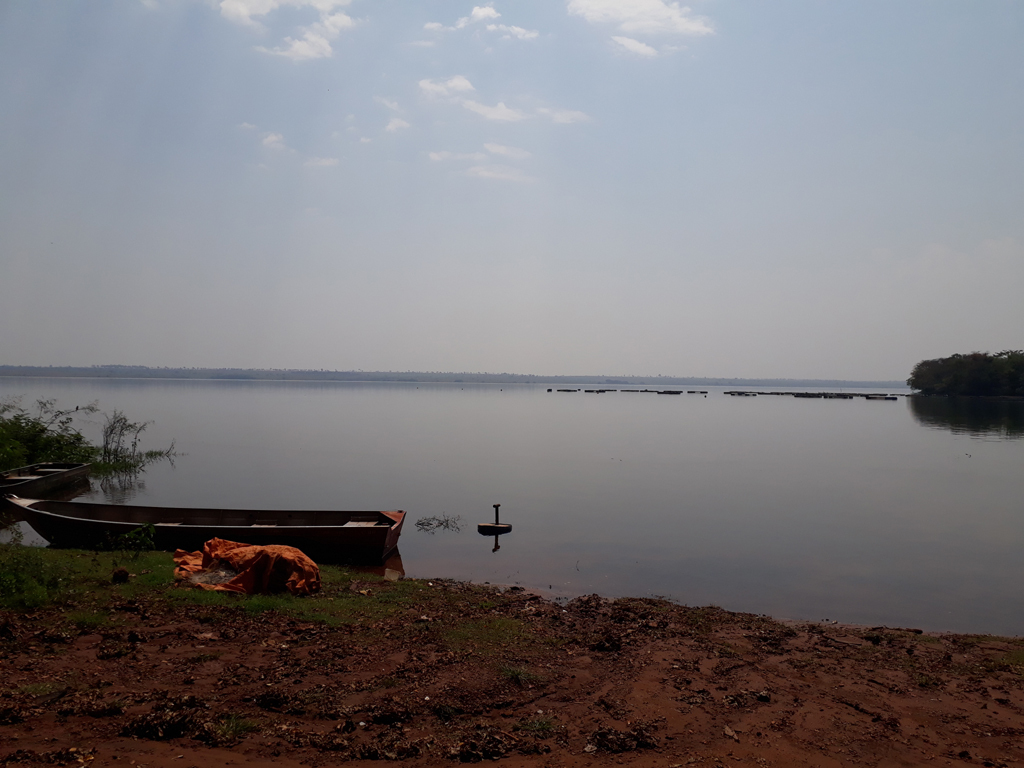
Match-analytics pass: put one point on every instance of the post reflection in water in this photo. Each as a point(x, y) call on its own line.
point(975, 416)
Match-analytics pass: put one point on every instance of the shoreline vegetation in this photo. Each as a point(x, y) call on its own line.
point(48, 433)
point(977, 374)
point(438, 673)
point(428, 377)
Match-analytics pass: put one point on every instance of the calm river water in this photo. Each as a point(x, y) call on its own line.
point(905, 513)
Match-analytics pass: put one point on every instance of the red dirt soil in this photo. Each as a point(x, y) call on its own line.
point(475, 673)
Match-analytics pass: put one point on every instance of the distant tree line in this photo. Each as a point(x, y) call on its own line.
point(978, 374)
point(408, 377)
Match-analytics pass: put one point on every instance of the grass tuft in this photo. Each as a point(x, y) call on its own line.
point(539, 726)
point(518, 675)
point(232, 728)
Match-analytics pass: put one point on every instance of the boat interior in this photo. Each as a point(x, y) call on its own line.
point(118, 513)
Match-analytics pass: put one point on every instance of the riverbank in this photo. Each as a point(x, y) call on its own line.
point(439, 672)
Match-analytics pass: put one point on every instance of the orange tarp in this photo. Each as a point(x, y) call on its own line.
point(259, 569)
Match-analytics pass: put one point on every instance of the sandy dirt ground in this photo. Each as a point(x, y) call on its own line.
point(462, 673)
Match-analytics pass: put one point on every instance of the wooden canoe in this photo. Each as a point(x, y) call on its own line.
point(327, 536)
point(41, 479)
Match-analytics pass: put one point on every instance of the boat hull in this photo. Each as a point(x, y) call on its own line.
point(40, 480)
point(326, 536)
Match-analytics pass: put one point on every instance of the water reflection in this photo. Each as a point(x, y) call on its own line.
point(799, 508)
point(391, 569)
point(121, 489)
point(975, 416)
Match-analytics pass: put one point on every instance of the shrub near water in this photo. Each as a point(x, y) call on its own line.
point(48, 433)
point(27, 579)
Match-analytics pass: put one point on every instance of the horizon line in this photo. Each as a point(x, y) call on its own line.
point(359, 373)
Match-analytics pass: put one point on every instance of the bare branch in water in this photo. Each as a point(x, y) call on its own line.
point(432, 523)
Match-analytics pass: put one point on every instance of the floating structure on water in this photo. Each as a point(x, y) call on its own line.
point(495, 529)
point(749, 393)
point(817, 395)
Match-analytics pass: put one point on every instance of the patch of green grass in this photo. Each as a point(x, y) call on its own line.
point(34, 577)
point(924, 680)
point(29, 579)
point(1015, 658)
point(518, 675)
point(334, 605)
point(539, 726)
point(201, 597)
point(232, 727)
point(726, 651)
point(485, 635)
point(701, 620)
point(86, 620)
point(257, 604)
point(38, 689)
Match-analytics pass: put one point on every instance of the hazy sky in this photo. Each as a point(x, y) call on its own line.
point(821, 189)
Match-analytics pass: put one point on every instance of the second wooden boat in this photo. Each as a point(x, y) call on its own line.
point(327, 536)
point(41, 479)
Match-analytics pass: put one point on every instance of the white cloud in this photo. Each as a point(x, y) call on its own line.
point(392, 105)
point(396, 125)
point(457, 84)
point(635, 46)
point(484, 13)
point(517, 32)
point(274, 141)
point(243, 11)
point(479, 13)
point(564, 116)
point(321, 162)
point(645, 17)
point(247, 126)
point(365, 140)
point(440, 156)
point(453, 87)
point(500, 172)
point(498, 112)
point(514, 152)
point(315, 40)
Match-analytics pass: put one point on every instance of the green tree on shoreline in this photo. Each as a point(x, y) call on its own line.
point(978, 374)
